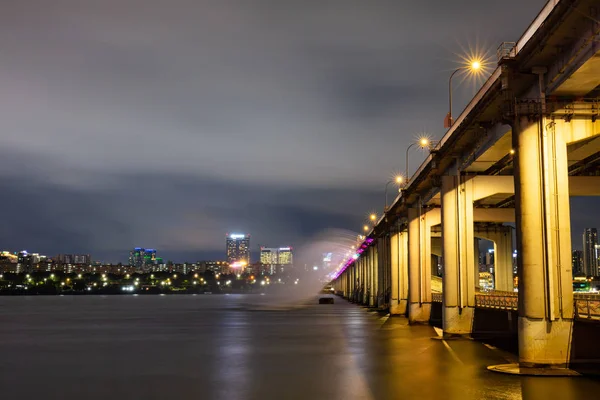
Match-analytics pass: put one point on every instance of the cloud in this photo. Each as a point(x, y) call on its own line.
point(299, 110)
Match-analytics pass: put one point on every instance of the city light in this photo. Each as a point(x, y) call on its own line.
point(238, 264)
point(373, 217)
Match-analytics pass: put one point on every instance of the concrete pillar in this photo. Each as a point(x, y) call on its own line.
point(503, 252)
point(361, 279)
point(374, 275)
point(365, 264)
point(399, 280)
point(381, 271)
point(476, 261)
point(419, 266)
point(386, 266)
point(459, 262)
point(368, 275)
point(543, 244)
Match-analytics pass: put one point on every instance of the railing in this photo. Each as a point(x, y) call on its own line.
point(506, 50)
point(497, 299)
point(587, 306)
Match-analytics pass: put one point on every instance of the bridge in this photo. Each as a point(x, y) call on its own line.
point(527, 141)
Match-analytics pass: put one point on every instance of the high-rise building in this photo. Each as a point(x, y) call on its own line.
point(577, 263)
point(143, 259)
point(268, 256)
point(276, 259)
point(590, 259)
point(597, 272)
point(238, 249)
point(286, 257)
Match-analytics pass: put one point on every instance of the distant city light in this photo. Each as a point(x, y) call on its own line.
point(237, 236)
point(239, 264)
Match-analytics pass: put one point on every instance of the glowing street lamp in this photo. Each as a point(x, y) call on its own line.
point(373, 217)
point(398, 180)
point(423, 143)
point(366, 228)
point(473, 66)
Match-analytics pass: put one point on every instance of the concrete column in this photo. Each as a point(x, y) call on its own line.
point(386, 271)
point(366, 263)
point(361, 277)
point(503, 251)
point(381, 271)
point(374, 275)
point(543, 244)
point(399, 273)
point(370, 273)
point(459, 261)
point(476, 261)
point(419, 267)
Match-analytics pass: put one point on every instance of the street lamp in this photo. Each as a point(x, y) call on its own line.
point(398, 180)
point(373, 217)
point(473, 66)
point(366, 228)
point(423, 143)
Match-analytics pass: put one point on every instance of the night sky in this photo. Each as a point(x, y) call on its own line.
point(168, 123)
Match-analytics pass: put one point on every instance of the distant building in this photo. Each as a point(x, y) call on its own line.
point(590, 258)
point(238, 249)
point(217, 267)
point(577, 263)
point(286, 256)
point(144, 260)
point(597, 255)
point(79, 259)
point(276, 259)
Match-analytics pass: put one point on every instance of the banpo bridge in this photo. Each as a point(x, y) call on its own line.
point(527, 141)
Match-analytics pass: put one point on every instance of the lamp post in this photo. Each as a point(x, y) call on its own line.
point(473, 66)
point(422, 143)
point(398, 180)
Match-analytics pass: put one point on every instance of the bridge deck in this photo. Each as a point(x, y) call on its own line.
point(214, 347)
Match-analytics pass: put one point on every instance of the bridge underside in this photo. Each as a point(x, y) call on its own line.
point(528, 141)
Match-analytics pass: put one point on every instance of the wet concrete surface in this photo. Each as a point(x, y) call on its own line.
point(222, 347)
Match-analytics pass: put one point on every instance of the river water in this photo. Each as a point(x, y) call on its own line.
point(227, 347)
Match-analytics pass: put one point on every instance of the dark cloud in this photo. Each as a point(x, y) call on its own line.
point(168, 123)
point(184, 215)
